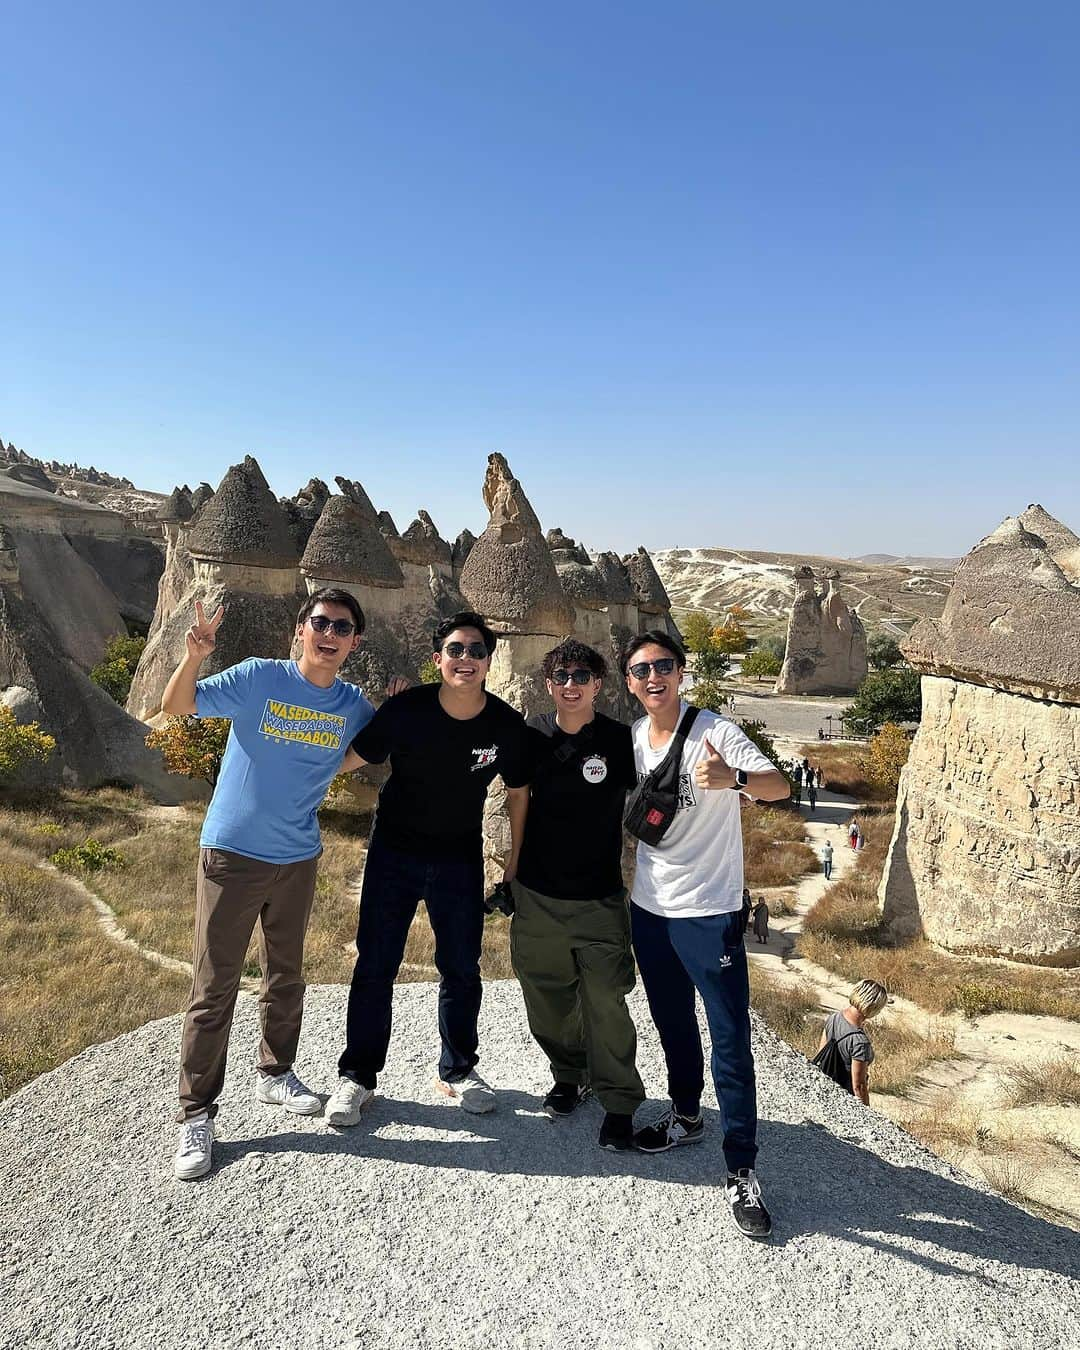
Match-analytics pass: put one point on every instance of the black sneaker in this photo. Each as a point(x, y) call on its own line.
point(564, 1097)
point(743, 1192)
point(669, 1131)
point(617, 1132)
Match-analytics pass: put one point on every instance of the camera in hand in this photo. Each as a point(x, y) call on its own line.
point(501, 899)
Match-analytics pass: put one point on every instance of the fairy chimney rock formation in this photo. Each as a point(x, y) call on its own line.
point(201, 496)
point(347, 545)
point(826, 642)
point(461, 549)
point(509, 575)
point(421, 544)
point(176, 508)
point(649, 590)
point(985, 855)
point(243, 524)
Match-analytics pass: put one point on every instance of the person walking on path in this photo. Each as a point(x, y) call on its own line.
point(826, 859)
point(445, 742)
point(761, 920)
point(292, 722)
point(811, 792)
point(797, 780)
point(846, 1028)
point(686, 918)
point(570, 934)
point(853, 832)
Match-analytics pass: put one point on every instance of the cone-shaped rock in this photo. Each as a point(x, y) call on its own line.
point(347, 544)
point(509, 575)
point(303, 510)
point(1064, 546)
point(462, 545)
point(616, 578)
point(201, 496)
point(177, 507)
point(826, 642)
point(387, 527)
point(1012, 619)
point(648, 588)
point(421, 543)
point(243, 523)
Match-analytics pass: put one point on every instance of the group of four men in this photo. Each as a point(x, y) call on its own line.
point(295, 724)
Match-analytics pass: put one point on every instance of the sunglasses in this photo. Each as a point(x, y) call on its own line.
point(664, 666)
point(476, 650)
point(578, 676)
point(341, 627)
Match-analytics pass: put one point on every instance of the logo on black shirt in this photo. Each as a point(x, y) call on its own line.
point(594, 770)
point(485, 758)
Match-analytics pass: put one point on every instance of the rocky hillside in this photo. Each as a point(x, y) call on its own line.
point(86, 485)
point(892, 595)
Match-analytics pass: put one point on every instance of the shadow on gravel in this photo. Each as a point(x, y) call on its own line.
point(815, 1182)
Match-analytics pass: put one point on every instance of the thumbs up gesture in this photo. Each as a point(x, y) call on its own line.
point(713, 771)
point(202, 635)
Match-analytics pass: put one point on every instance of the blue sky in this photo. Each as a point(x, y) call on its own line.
point(776, 276)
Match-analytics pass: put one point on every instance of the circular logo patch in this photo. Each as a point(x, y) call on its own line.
point(594, 770)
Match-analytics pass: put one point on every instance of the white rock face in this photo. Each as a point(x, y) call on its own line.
point(986, 850)
point(826, 642)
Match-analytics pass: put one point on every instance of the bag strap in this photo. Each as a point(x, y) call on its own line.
point(678, 740)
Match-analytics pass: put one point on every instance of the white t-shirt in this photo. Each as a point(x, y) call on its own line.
point(697, 868)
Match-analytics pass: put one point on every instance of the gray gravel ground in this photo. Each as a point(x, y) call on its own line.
point(425, 1226)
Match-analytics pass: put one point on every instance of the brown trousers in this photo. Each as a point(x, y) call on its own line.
point(232, 892)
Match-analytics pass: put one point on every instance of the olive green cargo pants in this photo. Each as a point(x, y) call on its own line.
point(575, 966)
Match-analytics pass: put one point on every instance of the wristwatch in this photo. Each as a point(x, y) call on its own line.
point(741, 780)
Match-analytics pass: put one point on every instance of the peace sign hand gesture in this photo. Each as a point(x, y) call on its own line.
point(201, 637)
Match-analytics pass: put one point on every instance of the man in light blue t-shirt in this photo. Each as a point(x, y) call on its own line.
point(292, 722)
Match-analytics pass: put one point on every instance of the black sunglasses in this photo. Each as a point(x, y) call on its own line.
point(476, 650)
point(664, 666)
point(341, 627)
point(578, 676)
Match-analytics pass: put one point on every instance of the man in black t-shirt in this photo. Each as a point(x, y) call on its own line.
point(570, 937)
point(445, 742)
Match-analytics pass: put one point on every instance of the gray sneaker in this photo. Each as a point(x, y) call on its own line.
point(286, 1090)
point(471, 1093)
point(347, 1102)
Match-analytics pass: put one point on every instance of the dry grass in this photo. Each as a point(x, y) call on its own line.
point(1053, 1082)
point(64, 985)
point(843, 934)
point(845, 771)
point(39, 824)
point(774, 849)
point(950, 1128)
point(790, 1007)
point(1010, 1176)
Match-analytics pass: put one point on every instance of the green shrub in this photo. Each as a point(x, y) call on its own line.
point(21, 745)
point(116, 669)
point(90, 856)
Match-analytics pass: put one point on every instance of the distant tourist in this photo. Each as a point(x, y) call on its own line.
point(826, 859)
point(292, 722)
point(686, 917)
point(845, 1028)
point(761, 920)
point(570, 935)
point(797, 781)
point(445, 743)
point(853, 832)
point(811, 791)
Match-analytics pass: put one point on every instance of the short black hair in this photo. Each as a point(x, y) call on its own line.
point(465, 619)
point(657, 638)
point(333, 595)
point(571, 652)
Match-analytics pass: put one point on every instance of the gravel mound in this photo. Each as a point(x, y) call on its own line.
point(425, 1226)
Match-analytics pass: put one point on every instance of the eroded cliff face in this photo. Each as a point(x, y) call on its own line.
point(985, 856)
point(987, 840)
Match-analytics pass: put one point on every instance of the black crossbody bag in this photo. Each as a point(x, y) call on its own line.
point(651, 807)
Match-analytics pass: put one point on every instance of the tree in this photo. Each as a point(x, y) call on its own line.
point(710, 694)
point(697, 631)
point(729, 637)
point(192, 746)
point(116, 669)
point(883, 651)
point(760, 663)
point(775, 643)
point(887, 754)
point(21, 746)
point(885, 696)
point(755, 731)
point(739, 614)
point(711, 664)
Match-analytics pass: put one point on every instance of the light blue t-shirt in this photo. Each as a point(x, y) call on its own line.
point(287, 741)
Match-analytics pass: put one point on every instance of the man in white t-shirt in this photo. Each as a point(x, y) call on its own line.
point(686, 918)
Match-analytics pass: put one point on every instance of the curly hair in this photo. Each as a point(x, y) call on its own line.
point(572, 652)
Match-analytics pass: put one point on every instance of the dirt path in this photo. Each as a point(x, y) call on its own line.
point(1005, 1142)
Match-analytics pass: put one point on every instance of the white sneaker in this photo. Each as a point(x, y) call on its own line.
point(471, 1093)
point(194, 1149)
point(347, 1103)
point(287, 1090)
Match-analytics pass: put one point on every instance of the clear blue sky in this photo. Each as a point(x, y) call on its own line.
point(776, 275)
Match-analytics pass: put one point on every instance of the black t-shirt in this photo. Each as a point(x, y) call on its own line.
point(573, 835)
point(433, 802)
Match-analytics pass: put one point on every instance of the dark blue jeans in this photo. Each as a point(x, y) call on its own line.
point(675, 957)
point(394, 884)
